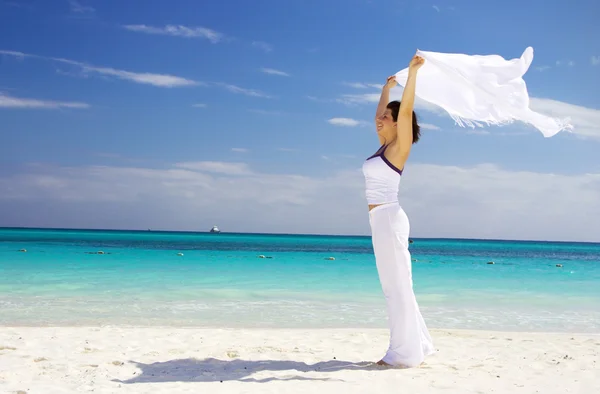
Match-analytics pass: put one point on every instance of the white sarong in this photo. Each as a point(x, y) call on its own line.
point(410, 341)
point(477, 89)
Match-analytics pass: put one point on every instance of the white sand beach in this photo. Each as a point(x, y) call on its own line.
point(193, 360)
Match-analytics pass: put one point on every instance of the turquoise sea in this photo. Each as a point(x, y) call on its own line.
point(152, 278)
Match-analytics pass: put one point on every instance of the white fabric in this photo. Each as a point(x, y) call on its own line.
point(476, 89)
point(410, 341)
point(381, 181)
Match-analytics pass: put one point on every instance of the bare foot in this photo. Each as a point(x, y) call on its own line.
point(384, 364)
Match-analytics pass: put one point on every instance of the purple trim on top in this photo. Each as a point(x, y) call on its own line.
point(379, 153)
point(393, 167)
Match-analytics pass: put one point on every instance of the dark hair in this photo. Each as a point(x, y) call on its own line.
point(416, 129)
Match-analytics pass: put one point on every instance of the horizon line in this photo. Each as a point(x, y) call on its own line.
point(150, 230)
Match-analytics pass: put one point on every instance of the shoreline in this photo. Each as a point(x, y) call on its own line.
point(293, 329)
point(113, 359)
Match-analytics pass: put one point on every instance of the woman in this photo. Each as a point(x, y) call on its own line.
point(397, 129)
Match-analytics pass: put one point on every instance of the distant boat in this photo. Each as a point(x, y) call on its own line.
point(215, 229)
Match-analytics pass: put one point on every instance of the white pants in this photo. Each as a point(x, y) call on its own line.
point(410, 341)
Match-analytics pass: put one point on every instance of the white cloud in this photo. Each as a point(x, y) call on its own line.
point(79, 8)
point(193, 196)
point(217, 167)
point(199, 105)
point(543, 68)
point(7, 101)
point(262, 46)
point(354, 99)
point(240, 150)
point(428, 126)
point(19, 55)
point(435, 7)
point(178, 31)
point(347, 122)
point(272, 71)
point(160, 80)
point(595, 60)
point(247, 92)
point(570, 63)
point(360, 85)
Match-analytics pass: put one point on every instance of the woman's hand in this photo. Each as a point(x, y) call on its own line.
point(415, 63)
point(391, 82)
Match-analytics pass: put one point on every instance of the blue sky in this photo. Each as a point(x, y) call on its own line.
point(257, 115)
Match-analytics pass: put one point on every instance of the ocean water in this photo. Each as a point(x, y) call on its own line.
point(220, 280)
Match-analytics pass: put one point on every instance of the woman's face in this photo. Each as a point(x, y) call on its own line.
point(385, 123)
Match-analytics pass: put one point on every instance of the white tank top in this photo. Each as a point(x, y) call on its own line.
point(382, 179)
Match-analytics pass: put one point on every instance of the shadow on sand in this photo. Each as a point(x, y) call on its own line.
point(215, 370)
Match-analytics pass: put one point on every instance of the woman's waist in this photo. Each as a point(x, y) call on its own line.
point(383, 205)
point(381, 197)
